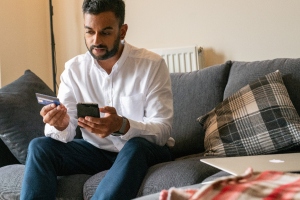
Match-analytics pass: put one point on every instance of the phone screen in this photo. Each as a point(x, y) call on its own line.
point(88, 109)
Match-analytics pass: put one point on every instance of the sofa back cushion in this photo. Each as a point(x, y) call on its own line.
point(195, 93)
point(20, 119)
point(242, 73)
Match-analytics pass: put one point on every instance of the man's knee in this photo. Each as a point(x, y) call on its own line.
point(41, 145)
point(39, 142)
point(138, 142)
point(142, 147)
point(138, 146)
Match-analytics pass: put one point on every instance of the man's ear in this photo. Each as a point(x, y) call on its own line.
point(123, 31)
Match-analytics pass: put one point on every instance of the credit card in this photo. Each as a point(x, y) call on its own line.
point(46, 99)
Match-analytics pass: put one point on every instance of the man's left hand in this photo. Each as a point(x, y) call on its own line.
point(103, 127)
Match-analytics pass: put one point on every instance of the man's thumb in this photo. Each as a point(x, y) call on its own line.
point(108, 109)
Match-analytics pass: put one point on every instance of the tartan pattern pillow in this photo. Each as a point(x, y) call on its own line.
point(258, 119)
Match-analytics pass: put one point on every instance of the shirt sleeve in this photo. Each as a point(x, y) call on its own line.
point(66, 96)
point(65, 136)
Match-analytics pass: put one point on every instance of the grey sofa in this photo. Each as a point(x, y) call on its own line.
point(195, 94)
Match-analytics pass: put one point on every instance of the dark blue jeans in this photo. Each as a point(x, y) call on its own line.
point(48, 158)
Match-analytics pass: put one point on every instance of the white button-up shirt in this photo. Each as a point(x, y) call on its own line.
point(138, 87)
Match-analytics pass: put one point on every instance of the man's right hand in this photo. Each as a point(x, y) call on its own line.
point(56, 116)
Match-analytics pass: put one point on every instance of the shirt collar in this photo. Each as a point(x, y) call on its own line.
point(123, 56)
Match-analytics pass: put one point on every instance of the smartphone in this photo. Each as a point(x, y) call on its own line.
point(87, 109)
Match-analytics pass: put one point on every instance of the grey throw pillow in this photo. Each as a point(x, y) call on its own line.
point(20, 119)
point(258, 119)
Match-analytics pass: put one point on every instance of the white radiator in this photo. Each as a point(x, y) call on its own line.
point(182, 59)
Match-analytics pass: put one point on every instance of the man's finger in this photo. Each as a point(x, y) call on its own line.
point(46, 109)
point(108, 109)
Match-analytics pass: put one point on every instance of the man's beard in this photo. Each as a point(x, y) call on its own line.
point(108, 53)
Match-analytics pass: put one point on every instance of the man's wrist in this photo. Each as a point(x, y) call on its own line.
point(123, 128)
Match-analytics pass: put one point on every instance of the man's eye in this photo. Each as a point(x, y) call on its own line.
point(105, 33)
point(89, 32)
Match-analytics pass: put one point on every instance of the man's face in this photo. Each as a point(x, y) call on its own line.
point(103, 35)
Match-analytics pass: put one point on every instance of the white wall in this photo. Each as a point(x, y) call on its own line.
point(68, 30)
point(24, 40)
point(232, 29)
point(245, 30)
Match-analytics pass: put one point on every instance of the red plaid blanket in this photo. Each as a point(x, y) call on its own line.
point(266, 185)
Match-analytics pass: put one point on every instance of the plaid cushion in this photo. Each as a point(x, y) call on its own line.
point(258, 119)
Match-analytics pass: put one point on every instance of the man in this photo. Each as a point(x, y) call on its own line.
point(132, 88)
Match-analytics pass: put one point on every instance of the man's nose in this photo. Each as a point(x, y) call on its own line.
point(97, 39)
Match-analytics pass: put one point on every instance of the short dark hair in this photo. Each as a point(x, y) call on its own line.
point(95, 7)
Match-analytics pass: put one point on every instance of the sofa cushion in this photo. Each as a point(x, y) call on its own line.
point(71, 187)
point(11, 177)
point(10, 181)
point(195, 93)
point(91, 184)
point(178, 173)
point(20, 119)
point(258, 119)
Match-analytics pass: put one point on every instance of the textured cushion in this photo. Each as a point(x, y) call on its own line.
point(11, 177)
point(20, 119)
point(195, 93)
point(258, 119)
point(91, 184)
point(71, 187)
point(10, 181)
point(162, 176)
point(178, 173)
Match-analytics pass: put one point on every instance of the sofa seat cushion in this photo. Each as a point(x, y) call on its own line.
point(178, 173)
point(11, 176)
point(258, 119)
point(91, 184)
point(20, 119)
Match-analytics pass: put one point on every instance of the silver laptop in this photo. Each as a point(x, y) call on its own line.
point(288, 162)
